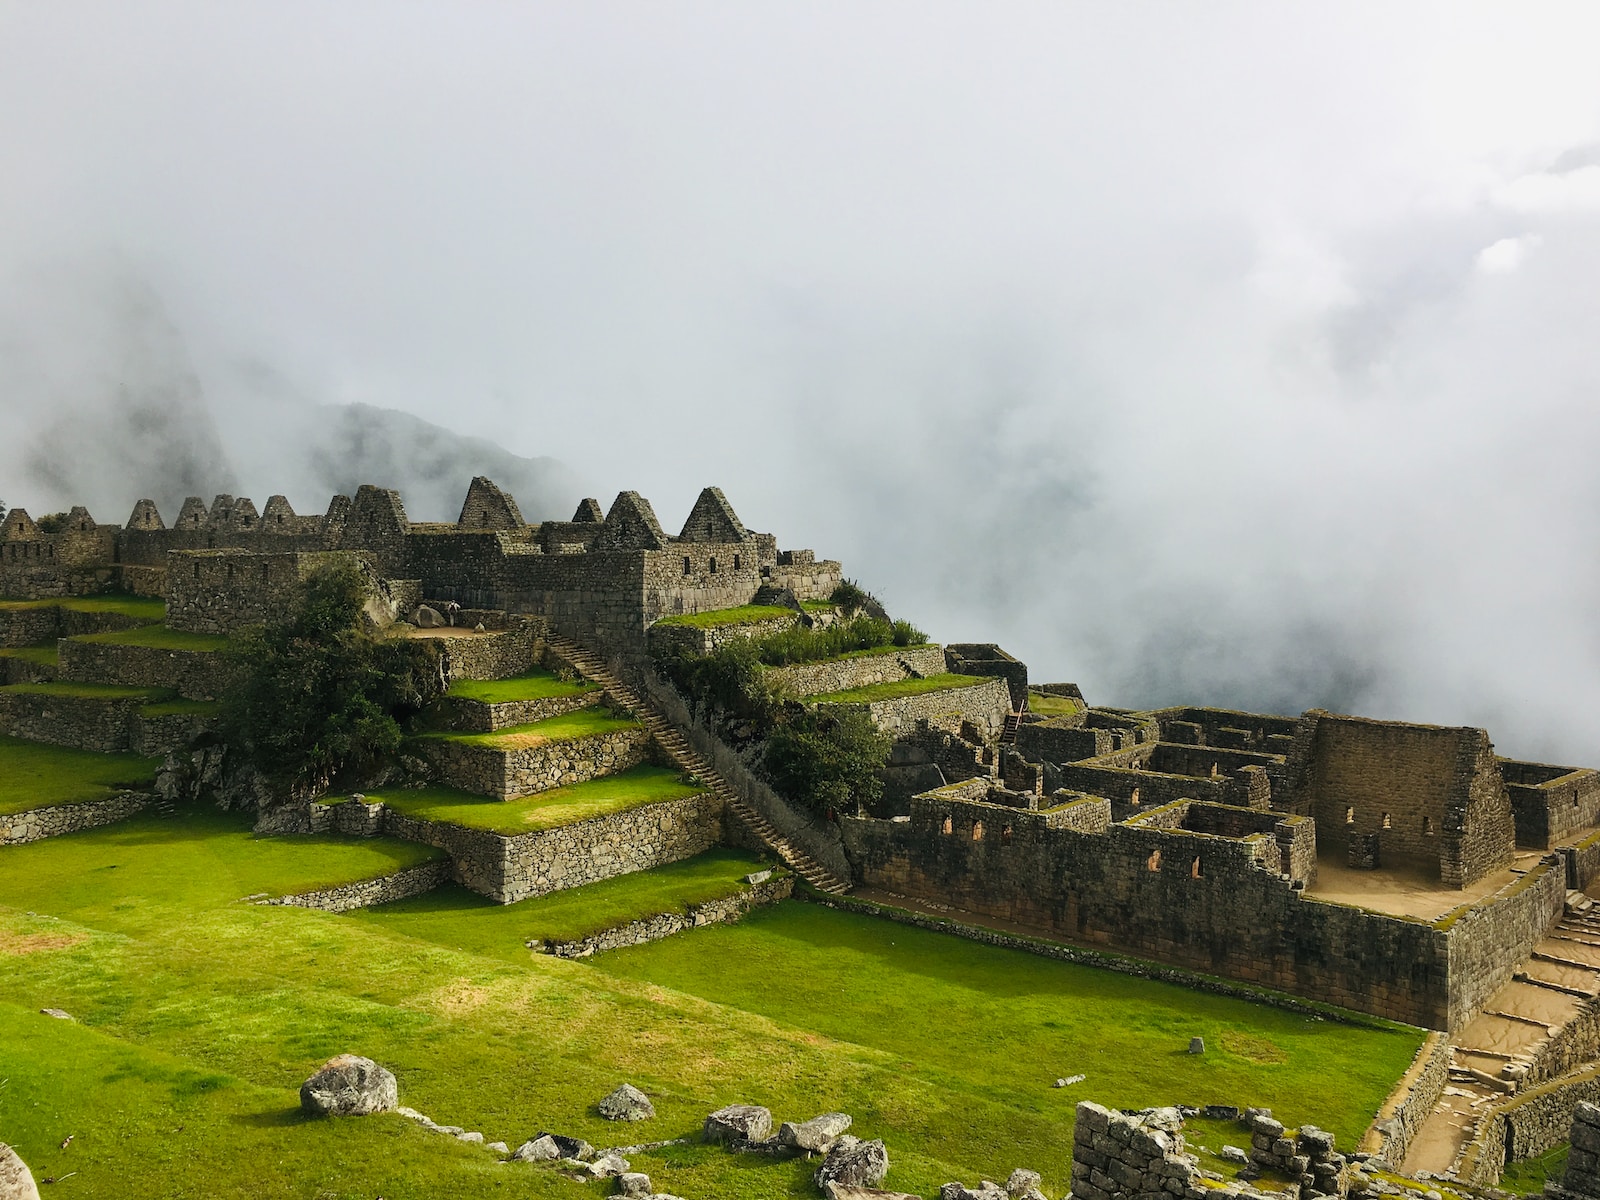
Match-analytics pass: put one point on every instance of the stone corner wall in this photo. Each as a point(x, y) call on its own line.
point(35, 824)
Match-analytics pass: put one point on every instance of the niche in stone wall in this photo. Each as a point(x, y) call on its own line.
point(687, 568)
point(1194, 868)
point(1154, 861)
point(1427, 826)
point(1134, 799)
point(947, 827)
point(713, 566)
point(1350, 816)
point(977, 831)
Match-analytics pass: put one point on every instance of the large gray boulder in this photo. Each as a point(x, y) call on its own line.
point(349, 1086)
point(1023, 1182)
point(854, 1163)
point(540, 1149)
point(16, 1181)
point(816, 1135)
point(627, 1103)
point(427, 618)
point(633, 1184)
point(739, 1122)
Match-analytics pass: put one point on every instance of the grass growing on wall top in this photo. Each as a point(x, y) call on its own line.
point(747, 614)
point(139, 608)
point(89, 691)
point(199, 1016)
point(534, 685)
point(585, 722)
point(1047, 705)
point(45, 654)
point(157, 637)
point(34, 775)
point(458, 919)
point(894, 689)
point(543, 810)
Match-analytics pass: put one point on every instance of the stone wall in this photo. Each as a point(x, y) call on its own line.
point(1582, 859)
point(802, 573)
point(1530, 1123)
point(508, 773)
point(668, 639)
point(57, 819)
point(1551, 803)
point(985, 704)
point(1226, 728)
point(31, 626)
point(195, 675)
point(223, 591)
point(841, 674)
point(413, 881)
point(500, 655)
point(1063, 740)
point(106, 726)
point(721, 911)
point(1490, 939)
point(985, 658)
point(1410, 1104)
point(478, 716)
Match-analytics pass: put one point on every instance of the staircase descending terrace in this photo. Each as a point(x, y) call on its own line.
point(687, 758)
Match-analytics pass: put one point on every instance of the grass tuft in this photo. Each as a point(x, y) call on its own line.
point(748, 614)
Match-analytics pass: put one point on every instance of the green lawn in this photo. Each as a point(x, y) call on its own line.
point(535, 685)
point(199, 1016)
point(818, 605)
point(90, 691)
point(158, 637)
point(585, 722)
point(46, 654)
point(1528, 1176)
point(1047, 705)
point(895, 689)
point(139, 608)
point(461, 920)
point(543, 810)
point(747, 614)
point(34, 775)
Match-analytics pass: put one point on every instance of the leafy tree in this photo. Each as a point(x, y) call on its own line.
point(826, 760)
point(317, 696)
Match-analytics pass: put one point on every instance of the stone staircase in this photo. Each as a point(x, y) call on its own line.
point(690, 760)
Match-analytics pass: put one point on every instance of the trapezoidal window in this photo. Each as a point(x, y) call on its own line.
point(977, 831)
point(1153, 863)
point(1386, 824)
point(687, 568)
point(713, 566)
point(1427, 826)
point(735, 562)
point(1194, 868)
point(1005, 834)
point(947, 827)
point(1134, 799)
point(1350, 816)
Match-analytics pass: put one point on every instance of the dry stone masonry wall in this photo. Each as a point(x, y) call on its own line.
point(35, 824)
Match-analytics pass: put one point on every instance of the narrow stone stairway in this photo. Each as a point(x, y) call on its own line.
point(671, 740)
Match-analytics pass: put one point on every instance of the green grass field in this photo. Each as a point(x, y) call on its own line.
point(633, 788)
point(198, 1016)
point(461, 920)
point(747, 614)
point(585, 722)
point(46, 654)
point(1529, 1176)
point(895, 689)
point(157, 637)
point(535, 685)
point(34, 775)
point(139, 608)
point(90, 691)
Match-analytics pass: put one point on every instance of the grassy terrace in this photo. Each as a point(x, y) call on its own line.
point(197, 1018)
point(157, 637)
point(139, 608)
point(1528, 1177)
point(1047, 705)
point(544, 810)
point(89, 691)
point(45, 654)
point(34, 775)
point(461, 920)
point(748, 614)
point(535, 685)
point(586, 722)
point(895, 689)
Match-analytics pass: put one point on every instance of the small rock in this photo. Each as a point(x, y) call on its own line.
point(818, 1134)
point(627, 1103)
point(608, 1166)
point(854, 1163)
point(1220, 1112)
point(1234, 1154)
point(1022, 1181)
point(840, 1191)
point(540, 1149)
point(349, 1086)
point(16, 1181)
point(478, 628)
point(986, 1190)
point(499, 1148)
point(756, 877)
point(633, 1183)
point(57, 1013)
point(749, 1122)
point(1197, 1045)
point(474, 1137)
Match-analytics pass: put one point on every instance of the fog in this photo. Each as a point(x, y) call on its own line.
point(1236, 354)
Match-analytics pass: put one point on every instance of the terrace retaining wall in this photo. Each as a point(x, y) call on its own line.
point(841, 674)
point(1409, 1105)
point(413, 881)
point(1525, 1126)
point(194, 674)
point(106, 726)
point(985, 704)
point(669, 640)
point(720, 911)
point(481, 716)
point(506, 773)
point(35, 824)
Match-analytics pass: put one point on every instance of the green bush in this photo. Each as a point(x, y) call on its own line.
point(317, 697)
point(850, 596)
point(826, 761)
point(907, 634)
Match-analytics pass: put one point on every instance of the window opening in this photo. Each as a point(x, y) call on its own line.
point(1154, 861)
point(1194, 869)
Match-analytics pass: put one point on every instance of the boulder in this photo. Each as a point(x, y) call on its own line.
point(349, 1086)
point(627, 1103)
point(58, 1013)
point(818, 1134)
point(1022, 1182)
point(540, 1149)
point(739, 1122)
point(1234, 1154)
point(499, 1148)
point(1197, 1045)
point(986, 1190)
point(609, 1166)
point(854, 1163)
point(427, 618)
point(633, 1183)
point(840, 1191)
point(569, 1147)
point(16, 1181)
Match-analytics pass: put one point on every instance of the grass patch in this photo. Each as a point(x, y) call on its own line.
point(544, 810)
point(89, 691)
point(158, 637)
point(34, 775)
point(535, 685)
point(1529, 1176)
point(458, 919)
point(818, 606)
point(181, 708)
point(748, 614)
point(895, 689)
point(1047, 705)
point(45, 654)
point(585, 722)
point(139, 608)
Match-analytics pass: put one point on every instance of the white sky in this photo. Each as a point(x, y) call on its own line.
point(1237, 353)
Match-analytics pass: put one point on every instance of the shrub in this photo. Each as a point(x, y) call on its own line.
point(850, 595)
point(826, 761)
point(907, 634)
point(317, 697)
point(728, 679)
